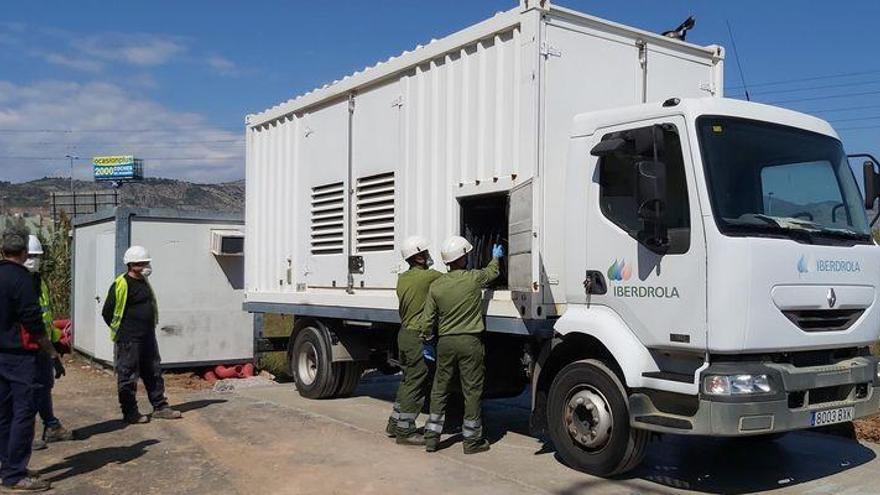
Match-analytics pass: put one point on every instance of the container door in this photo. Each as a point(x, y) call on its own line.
point(84, 291)
point(587, 67)
point(519, 231)
point(375, 174)
point(522, 278)
point(105, 261)
point(659, 290)
point(325, 179)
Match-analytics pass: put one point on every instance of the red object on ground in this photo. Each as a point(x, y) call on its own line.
point(209, 376)
point(237, 371)
point(224, 372)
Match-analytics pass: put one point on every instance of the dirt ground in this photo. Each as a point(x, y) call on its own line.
point(265, 439)
point(868, 429)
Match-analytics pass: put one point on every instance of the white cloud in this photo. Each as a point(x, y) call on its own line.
point(91, 53)
point(81, 64)
point(135, 49)
point(174, 144)
point(221, 64)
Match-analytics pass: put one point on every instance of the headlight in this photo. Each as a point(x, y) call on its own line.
point(878, 369)
point(737, 384)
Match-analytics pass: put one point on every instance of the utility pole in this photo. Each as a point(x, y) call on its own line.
point(71, 158)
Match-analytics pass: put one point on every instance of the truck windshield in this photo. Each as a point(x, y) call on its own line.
point(772, 180)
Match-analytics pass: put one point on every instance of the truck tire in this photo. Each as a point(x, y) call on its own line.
point(349, 378)
point(588, 420)
point(311, 365)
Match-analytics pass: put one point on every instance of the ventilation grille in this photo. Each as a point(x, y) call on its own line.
point(824, 320)
point(375, 213)
point(328, 218)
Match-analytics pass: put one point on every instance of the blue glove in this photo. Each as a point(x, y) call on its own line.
point(497, 251)
point(429, 352)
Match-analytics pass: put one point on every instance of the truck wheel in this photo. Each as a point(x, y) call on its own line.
point(589, 420)
point(350, 377)
point(311, 363)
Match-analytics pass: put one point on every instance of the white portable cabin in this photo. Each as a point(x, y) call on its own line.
point(198, 280)
point(471, 126)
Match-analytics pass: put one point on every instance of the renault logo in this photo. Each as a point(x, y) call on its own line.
point(832, 298)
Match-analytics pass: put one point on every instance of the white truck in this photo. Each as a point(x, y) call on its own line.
point(678, 262)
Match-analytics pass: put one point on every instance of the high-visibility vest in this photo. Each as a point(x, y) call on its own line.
point(46, 308)
point(121, 293)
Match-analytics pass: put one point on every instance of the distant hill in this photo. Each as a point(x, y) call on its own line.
point(32, 198)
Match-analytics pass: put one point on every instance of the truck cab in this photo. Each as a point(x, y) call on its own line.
point(730, 279)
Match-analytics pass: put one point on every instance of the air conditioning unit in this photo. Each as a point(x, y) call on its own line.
point(227, 242)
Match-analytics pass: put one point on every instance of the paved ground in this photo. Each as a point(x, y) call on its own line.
point(266, 439)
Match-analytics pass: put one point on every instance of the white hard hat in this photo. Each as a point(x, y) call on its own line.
point(34, 246)
point(454, 248)
point(413, 245)
point(136, 254)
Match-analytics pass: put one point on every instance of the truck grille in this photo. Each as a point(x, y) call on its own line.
point(823, 320)
point(822, 395)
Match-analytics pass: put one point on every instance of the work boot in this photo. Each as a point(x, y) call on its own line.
point(432, 444)
point(136, 419)
point(476, 447)
point(39, 444)
point(57, 433)
point(167, 413)
point(391, 428)
point(411, 439)
point(28, 484)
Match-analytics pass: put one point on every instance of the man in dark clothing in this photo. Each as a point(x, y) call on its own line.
point(131, 312)
point(53, 430)
point(22, 335)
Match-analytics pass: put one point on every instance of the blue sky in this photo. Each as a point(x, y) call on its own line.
point(185, 73)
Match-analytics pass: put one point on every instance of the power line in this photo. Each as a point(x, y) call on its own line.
point(875, 117)
point(165, 159)
point(813, 88)
point(811, 78)
point(843, 109)
point(140, 143)
point(857, 128)
point(71, 131)
point(134, 147)
point(826, 97)
point(742, 76)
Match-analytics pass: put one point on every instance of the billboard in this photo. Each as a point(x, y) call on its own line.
point(118, 168)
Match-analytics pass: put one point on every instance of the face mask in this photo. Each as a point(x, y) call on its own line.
point(147, 271)
point(429, 262)
point(32, 264)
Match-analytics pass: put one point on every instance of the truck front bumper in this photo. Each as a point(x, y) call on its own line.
point(797, 394)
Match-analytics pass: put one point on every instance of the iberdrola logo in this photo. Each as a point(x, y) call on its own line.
point(802, 265)
point(619, 271)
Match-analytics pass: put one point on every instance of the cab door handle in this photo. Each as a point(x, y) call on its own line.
point(594, 283)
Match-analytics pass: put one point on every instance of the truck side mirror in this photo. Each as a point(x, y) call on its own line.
point(872, 191)
point(651, 201)
point(608, 147)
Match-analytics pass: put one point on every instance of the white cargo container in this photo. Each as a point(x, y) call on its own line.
point(198, 279)
point(354, 167)
point(678, 262)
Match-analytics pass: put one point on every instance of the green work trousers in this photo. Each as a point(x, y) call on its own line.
point(415, 384)
point(461, 355)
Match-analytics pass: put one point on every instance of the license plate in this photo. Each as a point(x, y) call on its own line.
point(832, 416)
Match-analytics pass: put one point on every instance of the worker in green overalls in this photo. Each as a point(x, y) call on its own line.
point(53, 430)
point(455, 302)
point(412, 289)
